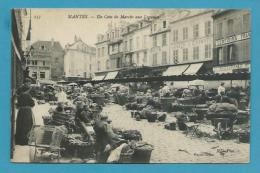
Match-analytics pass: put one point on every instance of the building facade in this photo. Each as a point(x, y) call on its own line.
point(45, 61)
point(137, 44)
point(102, 56)
point(191, 38)
point(79, 60)
point(232, 33)
point(115, 46)
point(160, 39)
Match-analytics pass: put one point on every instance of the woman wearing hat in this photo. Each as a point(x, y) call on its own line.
point(25, 118)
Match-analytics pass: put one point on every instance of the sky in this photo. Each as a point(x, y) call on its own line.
point(62, 26)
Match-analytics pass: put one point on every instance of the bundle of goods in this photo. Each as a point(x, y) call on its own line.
point(126, 154)
point(142, 152)
point(170, 126)
point(152, 116)
point(132, 135)
point(161, 116)
point(166, 103)
point(76, 146)
point(192, 117)
point(47, 120)
point(130, 98)
point(186, 100)
point(242, 117)
point(122, 99)
point(155, 102)
point(222, 110)
point(145, 111)
point(64, 118)
point(141, 106)
point(98, 98)
point(131, 106)
point(181, 120)
point(244, 136)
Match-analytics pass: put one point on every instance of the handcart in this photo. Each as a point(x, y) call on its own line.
point(45, 142)
point(223, 124)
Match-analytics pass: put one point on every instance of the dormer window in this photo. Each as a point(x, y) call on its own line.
point(43, 47)
point(164, 24)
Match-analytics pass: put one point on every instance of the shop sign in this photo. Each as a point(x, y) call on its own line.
point(231, 68)
point(234, 38)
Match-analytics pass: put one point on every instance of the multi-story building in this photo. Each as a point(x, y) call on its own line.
point(115, 46)
point(45, 61)
point(79, 60)
point(102, 56)
point(160, 39)
point(136, 43)
point(232, 32)
point(192, 38)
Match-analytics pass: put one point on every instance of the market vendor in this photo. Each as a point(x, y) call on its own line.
point(106, 140)
point(25, 117)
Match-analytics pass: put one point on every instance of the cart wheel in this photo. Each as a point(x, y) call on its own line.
point(219, 131)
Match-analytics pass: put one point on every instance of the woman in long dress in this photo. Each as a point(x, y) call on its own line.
point(25, 119)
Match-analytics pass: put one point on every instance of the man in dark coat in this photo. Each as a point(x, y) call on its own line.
point(25, 118)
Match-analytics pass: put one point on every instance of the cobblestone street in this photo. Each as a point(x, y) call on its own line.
point(176, 147)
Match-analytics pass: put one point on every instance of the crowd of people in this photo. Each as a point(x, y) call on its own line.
point(88, 109)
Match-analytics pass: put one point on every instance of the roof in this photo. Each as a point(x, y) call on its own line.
point(48, 45)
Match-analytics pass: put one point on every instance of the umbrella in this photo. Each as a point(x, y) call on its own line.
point(72, 84)
point(116, 85)
point(88, 85)
point(197, 82)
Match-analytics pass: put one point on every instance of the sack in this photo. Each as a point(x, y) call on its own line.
point(132, 135)
point(161, 117)
point(142, 152)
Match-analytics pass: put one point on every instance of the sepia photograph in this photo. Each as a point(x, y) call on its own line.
point(130, 85)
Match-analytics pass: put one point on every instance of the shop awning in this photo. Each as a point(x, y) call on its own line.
point(100, 77)
point(193, 69)
point(175, 70)
point(111, 75)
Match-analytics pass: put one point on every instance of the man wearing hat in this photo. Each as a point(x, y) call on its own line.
point(106, 140)
point(221, 89)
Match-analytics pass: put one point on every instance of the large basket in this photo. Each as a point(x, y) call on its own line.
point(142, 153)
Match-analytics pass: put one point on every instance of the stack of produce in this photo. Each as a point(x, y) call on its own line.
point(132, 135)
point(222, 110)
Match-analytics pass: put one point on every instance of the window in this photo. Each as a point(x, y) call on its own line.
point(137, 58)
point(219, 30)
point(164, 39)
point(144, 41)
point(28, 62)
point(175, 56)
point(230, 26)
point(164, 58)
point(113, 48)
point(229, 53)
point(164, 24)
point(125, 45)
point(154, 41)
point(131, 44)
point(155, 59)
point(107, 64)
point(185, 54)
point(34, 62)
point(42, 75)
point(175, 35)
point(196, 31)
point(195, 53)
point(90, 67)
point(246, 22)
point(42, 47)
point(207, 51)
point(220, 55)
point(137, 42)
point(246, 50)
point(145, 57)
point(185, 33)
point(34, 75)
point(98, 66)
point(103, 51)
point(43, 63)
point(207, 28)
point(98, 52)
point(154, 27)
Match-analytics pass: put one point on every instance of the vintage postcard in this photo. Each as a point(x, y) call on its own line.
point(130, 85)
